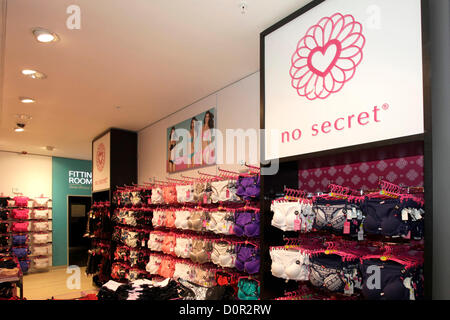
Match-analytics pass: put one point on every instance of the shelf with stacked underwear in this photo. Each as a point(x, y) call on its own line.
point(26, 227)
point(205, 232)
point(99, 230)
point(342, 238)
point(11, 276)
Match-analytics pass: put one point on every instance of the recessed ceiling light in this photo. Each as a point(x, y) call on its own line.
point(20, 127)
point(28, 72)
point(26, 100)
point(33, 74)
point(45, 36)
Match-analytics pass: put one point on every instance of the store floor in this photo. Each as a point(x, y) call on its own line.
point(45, 285)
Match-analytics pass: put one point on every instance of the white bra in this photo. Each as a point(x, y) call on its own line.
point(220, 222)
point(223, 255)
point(290, 264)
point(153, 264)
point(39, 238)
point(182, 271)
point(157, 197)
point(132, 239)
point(40, 202)
point(159, 218)
point(129, 218)
point(183, 247)
point(185, 193)
point(181, 219)
point(155, 242)
point(40, 250)
point(40, 263)
point(135, 198)
point(221, 192)
point(286, 213)
point(40, 213)
point(40, 226)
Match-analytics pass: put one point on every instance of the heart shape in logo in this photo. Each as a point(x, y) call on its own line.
point(322, 59)
point(327, 56)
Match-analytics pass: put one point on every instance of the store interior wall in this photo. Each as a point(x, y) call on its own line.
point(238, 107)
point(440, 96)
point(62, 188)
point(30, 175)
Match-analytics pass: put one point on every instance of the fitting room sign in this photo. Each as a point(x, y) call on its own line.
point(79, 179)
point(101, 163)
point(343, 73)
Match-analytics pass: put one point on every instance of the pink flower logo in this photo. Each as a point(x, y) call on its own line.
point(327, 56)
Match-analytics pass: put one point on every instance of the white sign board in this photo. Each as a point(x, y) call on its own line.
point(344, 73)
point(101, 163)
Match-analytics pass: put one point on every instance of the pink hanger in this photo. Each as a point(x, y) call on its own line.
point(213, 177)
point(228, 174)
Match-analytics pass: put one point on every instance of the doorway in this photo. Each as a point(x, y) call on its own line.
point(78, 208)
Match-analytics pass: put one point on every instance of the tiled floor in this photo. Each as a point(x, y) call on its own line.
point(45, 285)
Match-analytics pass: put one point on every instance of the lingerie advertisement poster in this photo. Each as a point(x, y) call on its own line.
point(191, 143)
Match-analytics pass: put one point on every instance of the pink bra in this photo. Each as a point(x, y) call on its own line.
point(21, 201)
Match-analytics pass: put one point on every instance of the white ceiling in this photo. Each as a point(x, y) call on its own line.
point(151, 57)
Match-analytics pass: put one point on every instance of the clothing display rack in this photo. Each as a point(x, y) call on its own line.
point(11, 275)
point(324, 244)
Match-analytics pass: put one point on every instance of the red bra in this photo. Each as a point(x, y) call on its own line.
point(168, 245)
point(20, 227)
point(166, 268)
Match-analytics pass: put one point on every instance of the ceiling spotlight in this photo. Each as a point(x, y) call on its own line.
point(20, 127)
point(26, 100)
point(28, 72)
point(45, 36)
point(33, 74)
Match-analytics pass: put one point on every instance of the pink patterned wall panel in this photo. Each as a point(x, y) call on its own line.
point(406, 171)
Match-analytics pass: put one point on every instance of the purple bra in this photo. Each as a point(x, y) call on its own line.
point(247, 259)
point(24, 265)
point(19, 240)
point(246, 224)
point(248, 187)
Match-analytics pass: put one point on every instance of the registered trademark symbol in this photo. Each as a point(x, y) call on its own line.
point(385, 106)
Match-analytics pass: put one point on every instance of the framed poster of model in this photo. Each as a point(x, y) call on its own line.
point(191, 143)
